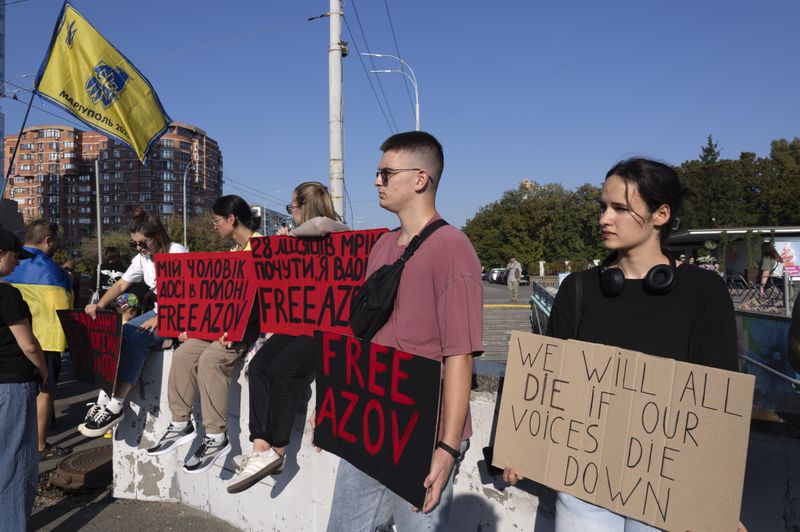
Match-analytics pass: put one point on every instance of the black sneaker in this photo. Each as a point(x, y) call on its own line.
point(202, 460)
point(171, 440)
point(94, 409)
point(101, 422)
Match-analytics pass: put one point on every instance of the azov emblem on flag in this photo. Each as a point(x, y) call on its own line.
point(106, 84)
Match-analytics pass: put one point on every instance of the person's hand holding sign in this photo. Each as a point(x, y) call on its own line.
point(224, 340)
point(91, 310)
point(282, 231)
point(441, 465)
point(510, 476)
point(182, 337)
point(150, 325)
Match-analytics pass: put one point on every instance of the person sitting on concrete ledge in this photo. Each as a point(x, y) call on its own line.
point(198, 365)
point(283, 358)
point(149, 237)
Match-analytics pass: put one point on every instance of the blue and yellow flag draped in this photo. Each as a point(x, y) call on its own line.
point(83, 73)
point(45, 287)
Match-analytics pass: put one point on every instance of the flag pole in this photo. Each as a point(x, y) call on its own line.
point(16, 147)
point(99, 227)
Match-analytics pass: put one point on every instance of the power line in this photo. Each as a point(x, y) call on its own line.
point(372, 61)
point(23, 89)
point(399, 57)
point(267, 198)
point(256, 191)
point(366, 73)
point(347, 197)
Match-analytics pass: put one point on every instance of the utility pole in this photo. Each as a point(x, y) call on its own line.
point(335, 121)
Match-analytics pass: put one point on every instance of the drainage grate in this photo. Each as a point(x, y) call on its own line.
point(89, 469)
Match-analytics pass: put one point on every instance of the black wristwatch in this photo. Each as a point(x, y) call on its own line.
point(449, 450)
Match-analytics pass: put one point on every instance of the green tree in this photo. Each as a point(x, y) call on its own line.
point(537, 223)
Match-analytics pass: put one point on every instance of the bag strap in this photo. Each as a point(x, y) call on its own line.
point(578, 303)
point(420, 238)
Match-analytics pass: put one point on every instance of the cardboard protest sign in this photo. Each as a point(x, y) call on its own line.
point(661, 441)
point(378, 409)
point(204, 294)
point(94, 345)
point(305, 284)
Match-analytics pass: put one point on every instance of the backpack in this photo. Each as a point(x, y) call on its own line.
point(371, 307)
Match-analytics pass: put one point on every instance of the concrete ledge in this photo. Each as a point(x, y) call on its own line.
point(299, 498)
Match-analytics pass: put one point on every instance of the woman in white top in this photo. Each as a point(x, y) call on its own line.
point(148, 237)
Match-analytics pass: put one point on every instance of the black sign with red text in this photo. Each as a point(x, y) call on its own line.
point(378, 408)
point(305, 284)
point(94, 345)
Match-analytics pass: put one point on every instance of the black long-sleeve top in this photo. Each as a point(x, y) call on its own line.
point(694, 322)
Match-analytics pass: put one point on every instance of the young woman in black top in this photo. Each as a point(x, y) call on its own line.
point(638, 299)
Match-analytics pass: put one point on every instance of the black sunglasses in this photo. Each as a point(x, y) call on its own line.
point(290, 208)
point(386, 173)
point(139, 243)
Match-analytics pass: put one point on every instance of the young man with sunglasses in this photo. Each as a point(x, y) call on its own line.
point(443, 322)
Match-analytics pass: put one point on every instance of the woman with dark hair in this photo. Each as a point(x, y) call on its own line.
point(148, 237)
point(283, 359)
point(771, 267)
point(198, 365)
point(638, 299)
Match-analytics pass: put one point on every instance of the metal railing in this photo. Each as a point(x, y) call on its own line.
point(746, 295)
point(541, 302)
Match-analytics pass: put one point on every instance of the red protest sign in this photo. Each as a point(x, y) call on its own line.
point(204, 294)
point(305, 284)
point(94, 345)
point(378, 408)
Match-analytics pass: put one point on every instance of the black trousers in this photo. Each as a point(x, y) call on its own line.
point(277, 373)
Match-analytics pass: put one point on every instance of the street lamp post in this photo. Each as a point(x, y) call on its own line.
point(411, 77)
point(190, 165)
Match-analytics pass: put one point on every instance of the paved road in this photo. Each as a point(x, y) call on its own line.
point(56, 510)
point(494, 294)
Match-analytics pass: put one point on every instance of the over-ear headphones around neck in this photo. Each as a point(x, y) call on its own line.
point(659, 280)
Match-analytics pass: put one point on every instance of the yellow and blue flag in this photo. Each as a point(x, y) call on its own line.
point(45, 287)
point(83, 73)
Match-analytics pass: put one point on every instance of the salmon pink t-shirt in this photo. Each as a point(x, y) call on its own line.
point(438, 310)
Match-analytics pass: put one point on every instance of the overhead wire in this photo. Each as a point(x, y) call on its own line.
point(399, 57)
point(366, 73)
point(347, 197)
point(372, 61)
point(263, 196)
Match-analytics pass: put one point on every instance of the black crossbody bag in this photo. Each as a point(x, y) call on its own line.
point(371, 307)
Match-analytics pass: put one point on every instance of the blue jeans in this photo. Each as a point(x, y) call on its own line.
point(19, 461)
point(575, 514)
point(362, 504)
point(136, 343)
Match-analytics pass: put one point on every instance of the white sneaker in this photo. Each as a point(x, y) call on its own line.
point(254, 467)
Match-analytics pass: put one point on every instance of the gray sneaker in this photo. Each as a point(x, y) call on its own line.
point(205, 456)
point(172, 438)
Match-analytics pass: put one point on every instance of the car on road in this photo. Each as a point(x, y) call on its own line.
point(495, 273)
point(524, 279)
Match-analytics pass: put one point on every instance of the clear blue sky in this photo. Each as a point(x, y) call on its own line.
point(550, 91)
